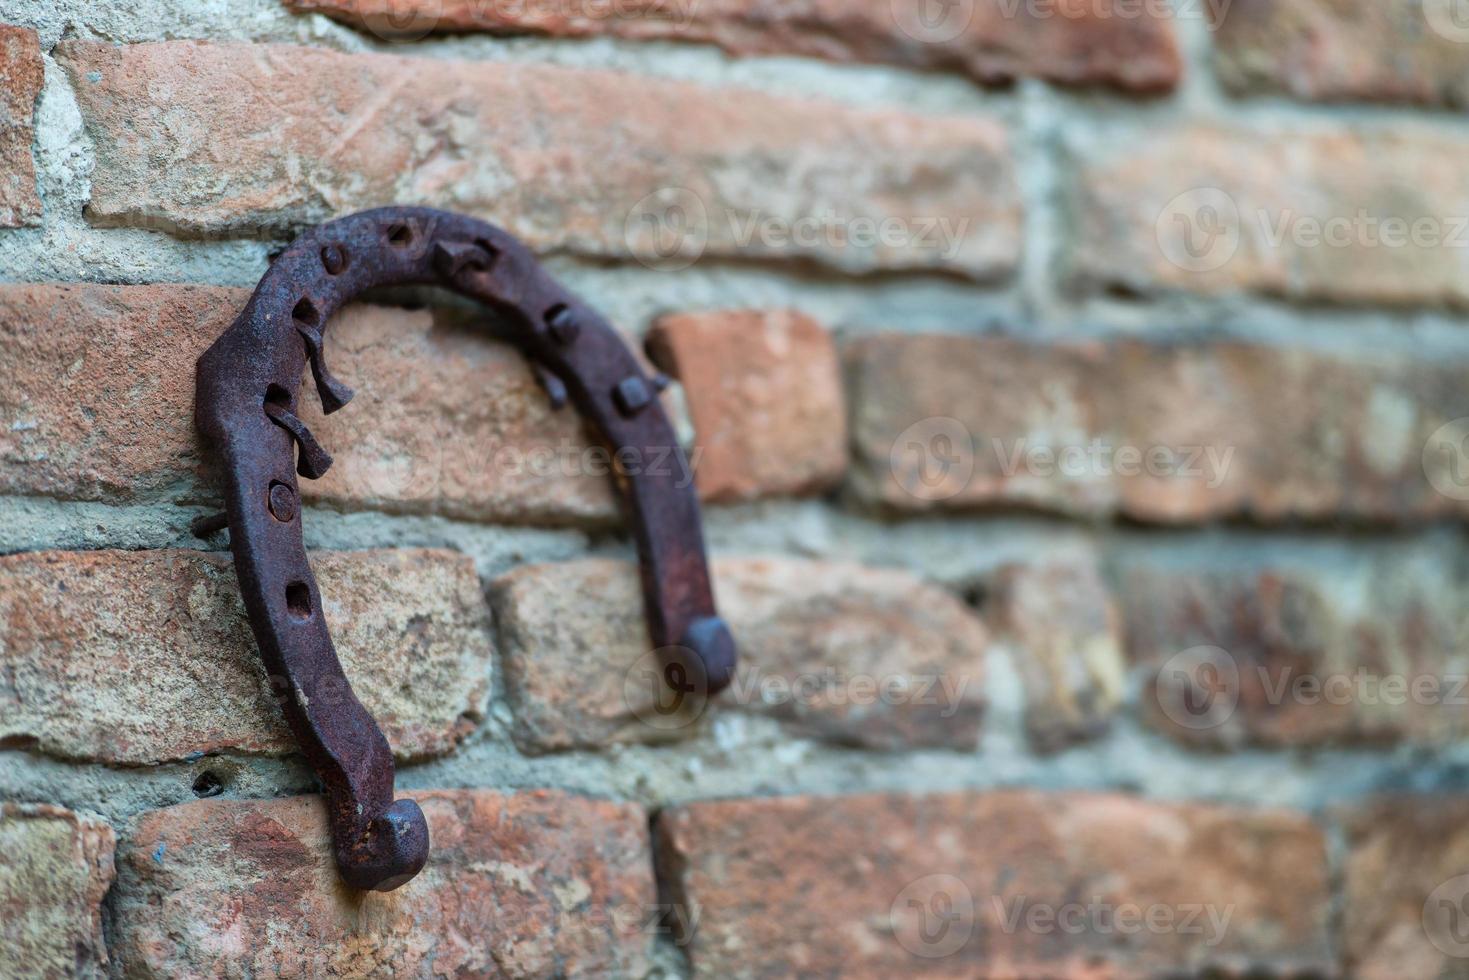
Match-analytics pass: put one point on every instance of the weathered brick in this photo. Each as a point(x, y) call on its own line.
point(1362, 648)
point(1011, 883)
point(97, 398)
point(1332, 50)
point(1330, 214)
point(21, 76)
point(1127, 45)
point(140, 657)
point(185, 142)
point(1406, 876)
point(849, 654)
point(1065, 636)
point(1163, 432)
point(517, 885)
point(57, 867)
point(765, 392)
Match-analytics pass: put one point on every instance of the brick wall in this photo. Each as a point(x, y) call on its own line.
point(1077, 392)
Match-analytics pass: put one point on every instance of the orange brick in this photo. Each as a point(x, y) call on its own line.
point(21, 76)
point(765, 393)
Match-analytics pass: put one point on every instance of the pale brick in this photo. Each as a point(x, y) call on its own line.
point(1160, 432)
point(21, 76)
point(1366, 648)
point(765, 392)
point(97, 402)
point(57, 866)
point(1130, 46)
point(1406, 875)
point(1327, 214)
point(1065, 635)
point(185, 141)
point(517, 885)
point(996, 884)
point(141, 657)
point(1410, 51)
point(843, 653)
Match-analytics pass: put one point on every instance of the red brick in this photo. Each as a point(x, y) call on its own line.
point(21, 76)
point(1130, 46)
point(850, 886)
point(765, 392)
point(517, 885)
point(530, 147)
point(1334, 50)
point(1226, 429)
point(843, 653)
point(97, 396)
point(57, 867)
point(1065, 635)
point(1310, 651)
point(1326, 214)
point(142, 657)
point(1403, 887)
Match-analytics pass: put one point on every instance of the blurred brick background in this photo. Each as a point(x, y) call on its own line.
point(1077, 389)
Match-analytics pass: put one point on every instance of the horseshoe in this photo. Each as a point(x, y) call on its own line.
point(245, 406)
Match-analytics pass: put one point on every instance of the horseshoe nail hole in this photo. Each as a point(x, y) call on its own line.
point(298, 601)
point(278, 396)
point(491, 252)
point(400, 235)
point(208, 784)
point(305, 312)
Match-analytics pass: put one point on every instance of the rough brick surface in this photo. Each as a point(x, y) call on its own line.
point(185, 141)
point(1345, 216)
point(1404, 886)
point(1065, 635)
point(517, 885)
point(849, 654)
point(57, 867)
point(138, 657)
point(1158, 432)
point(765, 393)
point(21, 76)
point(1013, 884)
point(97, 396)
point(1303, 652)
point(1331, 50)
point(1109, 43)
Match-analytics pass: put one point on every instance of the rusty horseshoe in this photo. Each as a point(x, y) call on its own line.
point(246, 408)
